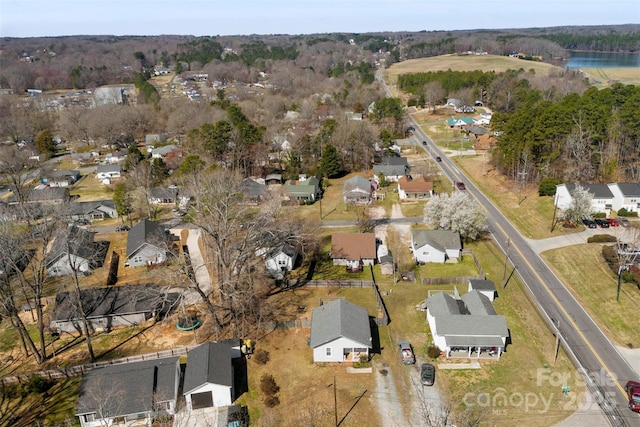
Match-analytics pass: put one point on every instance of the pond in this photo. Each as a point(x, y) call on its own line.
point(603, 60)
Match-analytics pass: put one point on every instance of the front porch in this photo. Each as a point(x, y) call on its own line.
point(353, 355)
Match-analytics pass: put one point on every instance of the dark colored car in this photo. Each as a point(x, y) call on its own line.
point(603, 223)
point(624, 221)
point(122, 228)
point(460, 186)
point(613, 222)
point(427, 374)
point(406, 353)
point(633, 393)
point(589, 223)
point(438, 159)
point(424, 142)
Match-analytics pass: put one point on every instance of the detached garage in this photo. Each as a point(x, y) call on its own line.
point(208, 379)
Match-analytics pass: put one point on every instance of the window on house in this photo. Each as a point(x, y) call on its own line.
point(89, 417)
point(328, 351)
point(425, 253)
point(137, 259)
point(282, 262)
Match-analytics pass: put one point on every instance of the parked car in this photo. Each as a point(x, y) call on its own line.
point(603, 223)
point(427, 374)
point(424, 142)
point(633, 393)
point(438, 159)
point(122, 228)
point(613, 222)
point(589, 222)
point(406, 353)
point(460, 186)
point(623, 221)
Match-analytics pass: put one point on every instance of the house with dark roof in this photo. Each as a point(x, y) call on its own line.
point(353, 250)
point(110, 307)
point(340, 332)
point(280, 260)
point(209, 376)
point(273, 179)
point(99, 209)
point(392, 168)
point(60, 177)
point(466, 327)
point(435, 245)
point(485, 287)
point(147, 243)
point(73, 249)
point(44, 196)
point(129, 393)
point(625, 195)
point(602, 196)
point(163, 196)
point(357, 190)
point(252, 191)
point(418, 188)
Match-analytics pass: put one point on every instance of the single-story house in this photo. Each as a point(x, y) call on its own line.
point(72, 250)
point(163, 196)
point(115, 157)
point(82, 158)
point(353, 250)
point(147, 243)
point(99, 209)
point(252, 191)
point(129, 393)
point(602, 196)
point(485, 287)
point(107, 172)
point(414, 189)
point(392, 168)
point(435, 245)
point(60, 177)
point(357, 190)
point(273, 178)
point(459, 121)
point(304, 189)
point(154, 138)
point(44, 195)
point(466, 327)
point(476, 130)
point(209, 375)
point(340, 332)
point(625, 195)
point(280, 259)
point(164, 151)
point(110, 307)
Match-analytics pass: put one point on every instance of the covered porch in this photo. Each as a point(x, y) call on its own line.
point(470, 347)
point(355, 354)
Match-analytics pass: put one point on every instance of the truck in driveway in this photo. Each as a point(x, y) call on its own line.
point(406, 353)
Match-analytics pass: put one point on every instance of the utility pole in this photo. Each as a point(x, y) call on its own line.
point(557, 348)
point(506, 260)
point(335, 400)
point(555, 211)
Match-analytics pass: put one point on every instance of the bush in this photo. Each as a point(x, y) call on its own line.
point(602, 238)
point(623, 212)
point(433, 351)
point(547, 186)
point(271, 401)
point(599, 215)
point(36, 385)
point(268, 385)
point(261, 356)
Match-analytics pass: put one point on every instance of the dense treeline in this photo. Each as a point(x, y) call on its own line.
point(593, 137)
point(609, 42)
point(451, 81)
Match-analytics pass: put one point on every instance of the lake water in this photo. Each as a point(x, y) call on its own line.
point(603, 60)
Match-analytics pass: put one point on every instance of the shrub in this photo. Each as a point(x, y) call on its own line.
point(271, 401)
point(547, 186)
point(599, 215)
point(268, 385)
point(602, 238)
point(261, 356)
point(36, 385)
point(433, 351)
point(623, 212)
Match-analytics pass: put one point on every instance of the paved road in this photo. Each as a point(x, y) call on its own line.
point(607, 370)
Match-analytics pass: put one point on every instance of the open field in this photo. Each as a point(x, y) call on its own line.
point(603, 77)
point(465, 63)
point(595, 286)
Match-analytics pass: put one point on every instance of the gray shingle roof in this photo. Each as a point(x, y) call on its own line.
point(114, 300)
point(78, 242)
point(442, 304)
point(390, 170)
point(629, 189)
point(478, 304)
point(129, 388)
point(439, 239)
point(209, 363)
point(482, 285)
point(599, 191)
point(84, 208)
point(285, 248)
point(148, 232)
point(251, 188)
point(357, 182)
point(337, 319)
point(394, 161)
point(472, 325)
point(108, 168)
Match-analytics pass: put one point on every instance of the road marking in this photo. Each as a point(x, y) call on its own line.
point(568, 317)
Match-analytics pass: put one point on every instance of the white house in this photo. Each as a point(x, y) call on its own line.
point(108, 171)
point(208, 377)
point(280, 259)
point(625, 195)
point(340, 332)
point(485, 287)
point(435, 245)
point(602, 196)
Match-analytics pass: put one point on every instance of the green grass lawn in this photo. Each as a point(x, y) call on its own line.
point(595, 286)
